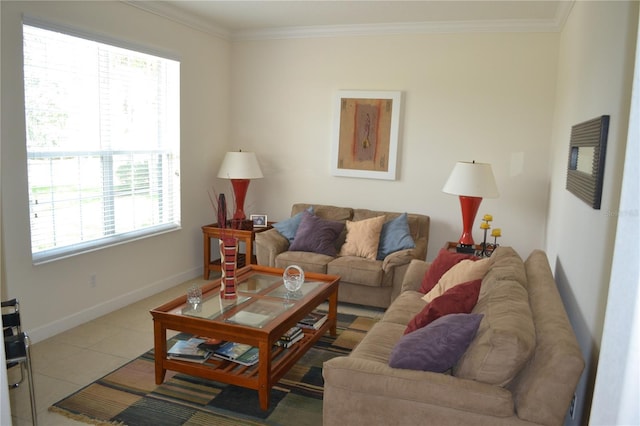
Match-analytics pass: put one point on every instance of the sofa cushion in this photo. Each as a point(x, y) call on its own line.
point(288, 227)
point(441, 264)
point(353, 269)
point(378, 343)
point(438, 346)
point(309, 262)
point(404, 307)
point(457, 300)
point(339, 214)
point(506, 338)
point(363, 238)
point(507, 265)
point(316, 235)
point(463, 271)
point(395, 236)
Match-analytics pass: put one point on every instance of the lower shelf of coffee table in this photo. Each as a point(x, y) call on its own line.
point(248, 376)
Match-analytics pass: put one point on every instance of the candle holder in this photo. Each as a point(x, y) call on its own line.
point(495, 233)
point(488, 248)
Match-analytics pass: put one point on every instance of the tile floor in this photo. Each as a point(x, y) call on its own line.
point(71, 360)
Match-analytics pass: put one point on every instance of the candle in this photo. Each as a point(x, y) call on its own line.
point(488, 217)
point(497, 232)
point(484, 225)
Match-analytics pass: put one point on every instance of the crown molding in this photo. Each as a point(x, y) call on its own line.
point(564, 9)
point(396, 29)
point(201, 24)
point(180, 16)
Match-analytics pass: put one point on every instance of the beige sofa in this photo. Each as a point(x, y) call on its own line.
point(363, 281)
point(362, 389)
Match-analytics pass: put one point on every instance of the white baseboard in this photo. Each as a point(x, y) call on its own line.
point(63, 324)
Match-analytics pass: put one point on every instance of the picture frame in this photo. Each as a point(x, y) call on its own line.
point(366, 133)
point(585, 165)
point(259, 220)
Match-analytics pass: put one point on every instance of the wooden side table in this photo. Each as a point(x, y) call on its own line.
point(247, 237)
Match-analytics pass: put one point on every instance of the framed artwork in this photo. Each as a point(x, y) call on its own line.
point(259, 220)
point(365, 142)
point(587, 152)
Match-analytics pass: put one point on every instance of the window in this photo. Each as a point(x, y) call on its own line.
point(102, 136)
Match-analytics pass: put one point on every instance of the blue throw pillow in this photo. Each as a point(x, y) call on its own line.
point(438, 346)
point(288, 227)
point(395, 236)
point(317, 235)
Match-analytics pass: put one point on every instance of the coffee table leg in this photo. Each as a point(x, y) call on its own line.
point(159, 350)
point(264, 375)
point(333, 312)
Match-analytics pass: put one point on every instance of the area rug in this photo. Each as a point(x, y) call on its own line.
point(129, 395)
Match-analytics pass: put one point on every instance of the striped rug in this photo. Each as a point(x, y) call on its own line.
point(129, 395)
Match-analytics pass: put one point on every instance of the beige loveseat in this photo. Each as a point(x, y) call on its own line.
point(363, 281)
point(362, 389)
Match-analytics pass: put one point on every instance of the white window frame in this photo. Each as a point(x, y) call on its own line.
point(160, 160)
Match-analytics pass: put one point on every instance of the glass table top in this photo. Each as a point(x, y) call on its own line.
point(257, 282)
point(212, 306)
point(261, 298)
point(258, 314)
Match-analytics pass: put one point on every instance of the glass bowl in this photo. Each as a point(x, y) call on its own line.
point(293, 277)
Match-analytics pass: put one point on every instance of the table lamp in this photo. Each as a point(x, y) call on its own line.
point(240, 167)
point(471, 182)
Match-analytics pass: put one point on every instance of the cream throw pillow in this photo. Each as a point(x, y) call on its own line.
point(462, 272)
point(363, 237)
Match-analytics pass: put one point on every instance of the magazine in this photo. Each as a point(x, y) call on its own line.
point(250, 357)
point(188, 350)
point(241, 353)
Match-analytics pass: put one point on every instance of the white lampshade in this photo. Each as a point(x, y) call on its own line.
point(240, 165)
point(472, 180)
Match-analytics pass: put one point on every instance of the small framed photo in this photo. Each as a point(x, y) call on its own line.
point(259, 220)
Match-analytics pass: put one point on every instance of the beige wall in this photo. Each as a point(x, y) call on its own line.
point(504, 98)
point(481, 96)
point(595, 72)
point(484, 97)
point(57, 295)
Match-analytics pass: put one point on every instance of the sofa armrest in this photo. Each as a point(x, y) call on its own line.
point(269, 244)
point(415, 273)
point(420, 250)
point(397, 258)
point(357, 376)
point(402, 257)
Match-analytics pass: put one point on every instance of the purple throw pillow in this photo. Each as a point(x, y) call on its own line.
point(317, 235)
point(438, 346)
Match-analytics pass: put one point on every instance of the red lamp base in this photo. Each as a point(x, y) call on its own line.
point(240, 187)
point(469, 206)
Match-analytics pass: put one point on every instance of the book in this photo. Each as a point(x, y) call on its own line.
point(313, 320)
point(289, 343)
point(292, 333)
point(188, 350)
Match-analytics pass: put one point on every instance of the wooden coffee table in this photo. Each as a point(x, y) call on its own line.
point(263, 312)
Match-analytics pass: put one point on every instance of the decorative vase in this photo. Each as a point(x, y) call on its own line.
point(228, 262)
